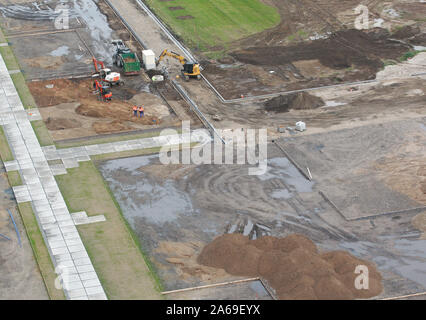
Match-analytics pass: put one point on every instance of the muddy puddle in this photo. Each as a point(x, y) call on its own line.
point(189, 206)
point(195, 204)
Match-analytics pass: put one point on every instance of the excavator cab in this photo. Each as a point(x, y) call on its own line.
point(190, 69)
point(104, 90)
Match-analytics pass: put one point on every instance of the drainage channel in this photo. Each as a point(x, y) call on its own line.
point(194, 107)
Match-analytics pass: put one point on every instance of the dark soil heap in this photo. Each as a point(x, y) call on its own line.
point(297, 101)
point(292, 266)
point(343, 49)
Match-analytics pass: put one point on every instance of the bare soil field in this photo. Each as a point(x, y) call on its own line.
point(177, 210)
point(344, 107)
point(315, 45)
point(71, 109)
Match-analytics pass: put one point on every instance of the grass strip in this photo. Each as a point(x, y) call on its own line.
point(124, 272)
point(5, 151)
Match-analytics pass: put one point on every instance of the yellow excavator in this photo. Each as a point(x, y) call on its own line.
point(190, 69)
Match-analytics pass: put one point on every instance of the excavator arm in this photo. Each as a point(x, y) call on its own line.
point(98, 63)
point(171, 54)
point(190, 69)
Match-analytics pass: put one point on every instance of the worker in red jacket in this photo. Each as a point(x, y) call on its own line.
point(135, 111)
point(141, 112)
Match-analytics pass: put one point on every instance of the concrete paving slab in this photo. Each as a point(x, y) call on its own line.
point(76, 248)
point(71, 235)
point(57, 244)
point(70, 163)
point(61, 250)
point(62, 258)
point(91, 283)
point(86, 268)
point(40, 186)
point(94, 290)
point(73, 294)
point(98, 296)
point(87, 276)
point(82, 262)
point(73, 285)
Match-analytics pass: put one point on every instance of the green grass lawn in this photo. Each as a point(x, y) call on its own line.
point(112, 247)
point(9, 58)
point(5, 152)
point(215, 22)
point(23, 91)
point(42, 133)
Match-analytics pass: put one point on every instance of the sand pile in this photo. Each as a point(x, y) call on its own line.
point(297, 101)
point(292, 266)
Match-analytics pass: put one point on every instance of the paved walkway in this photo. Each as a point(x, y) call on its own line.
point(72, 156)
point(66, 249)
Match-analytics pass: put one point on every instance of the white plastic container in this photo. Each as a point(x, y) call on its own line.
point(157, 78)
point(148, 58)
point(300, 126)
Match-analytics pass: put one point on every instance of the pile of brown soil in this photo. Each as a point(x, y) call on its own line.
point(297, 101)
point(61, 123)
point(292, 266)
point(406, 32)
point(153, 72)
point(176, 8)
point(120, 111)
point(343, 49)
point(107, 127)
point(64, 91)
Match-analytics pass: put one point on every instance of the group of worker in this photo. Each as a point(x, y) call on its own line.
point(136, 109)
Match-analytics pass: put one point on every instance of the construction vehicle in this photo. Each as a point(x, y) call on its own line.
point(190, 69)
point(125, 59)
point(105, 74)
point(104, 90)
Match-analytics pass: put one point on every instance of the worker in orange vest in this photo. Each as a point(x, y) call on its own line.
point(141, 112)
point(135, 111)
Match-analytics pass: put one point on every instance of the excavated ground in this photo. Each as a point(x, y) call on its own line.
point(176, 210)
point(315, 45)
point(71, 108)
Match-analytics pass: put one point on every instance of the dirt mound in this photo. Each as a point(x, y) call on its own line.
point(87, 111)
point(61, 123)
point(107, 127)
point(343, 49)
point(154, 72)
point(292, 266)
point(120, 111)
point(297, 101)
point(406, 32)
